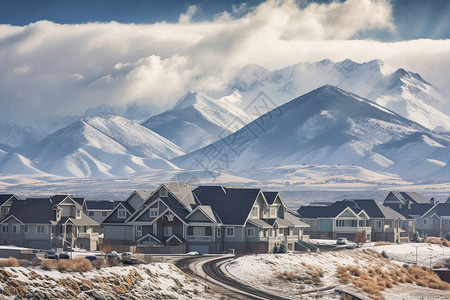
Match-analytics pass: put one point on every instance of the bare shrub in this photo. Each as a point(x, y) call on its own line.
point(446, 243)
point(148, 259)
point(98, 263)
point(360, 238)
point(47, 264)
point(433, 240)
point(64, 265)
point(113, 262)
point(382, 243)
point(9, 262)
point(81, 264)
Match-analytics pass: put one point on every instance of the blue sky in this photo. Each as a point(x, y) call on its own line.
point(63, 56)
point(413, 18)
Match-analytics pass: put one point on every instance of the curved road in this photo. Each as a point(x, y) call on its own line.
point(212, 272)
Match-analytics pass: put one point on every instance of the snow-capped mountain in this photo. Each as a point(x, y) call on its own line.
point(102, 146)
point(403, 92)
point(197, 120)
point(326, 126)
point(137, 112)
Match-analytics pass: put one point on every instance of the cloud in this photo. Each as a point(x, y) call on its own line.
point(59, 68)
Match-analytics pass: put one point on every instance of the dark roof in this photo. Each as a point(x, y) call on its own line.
point(409, 196)
point(270, 196)
point(79, 200)
point(448, 200)
point(58, 198)
point(416, 209)
point(375, 209)
point(440, 209)
point(5, 197)
point(100, 204)
point(233, 205)
point(327, 211)
point(128, 207)
point(33, 210)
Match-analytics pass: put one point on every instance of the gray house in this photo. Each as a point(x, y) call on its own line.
point(208, 219)
point(98, 210)
point(412, 206)
point(348, 217)
point(436, 221)
point(46, 223)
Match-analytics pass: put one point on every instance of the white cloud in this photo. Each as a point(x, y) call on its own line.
point(67, 68)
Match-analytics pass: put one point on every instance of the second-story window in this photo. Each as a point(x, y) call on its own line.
point(153, 212)
point(121, 213)
point(104, 213)
point(4, 210)
point(230, 231)
point(255, 212)
point(91, 214)
point(78, 214)
point(16, 228)
point(138, 230)
point(273, 211)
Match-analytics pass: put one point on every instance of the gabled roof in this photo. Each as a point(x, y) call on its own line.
point(259, 223)
point(84, 221)
point(183, 192)
point(271, 196)
point(207, 211)
point(374, 209)
point(144, 194)
point(448, 200)
point(80, 201)
point(58, 198)
point(327, 211)
point(11, 217)
point(233, 205)
point(408, 196)
point(33, 210)
point(296, 222)
point(282, 223)
point(100, 204)
point(181, 240)
point(440, 209)
point(150, 237)
point(5, 197)
point(417, 209)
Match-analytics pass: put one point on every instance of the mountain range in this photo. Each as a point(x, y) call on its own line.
point(369, 115)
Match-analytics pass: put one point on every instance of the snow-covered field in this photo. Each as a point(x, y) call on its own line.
point(296, 275)
point(151, 281)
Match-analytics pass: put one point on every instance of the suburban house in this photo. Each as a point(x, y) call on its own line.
point(436, 221)
point(348, 217)
point(208, 219)
point(98, 210)
point(412, 206)
point(45, 223)
point(5, 204)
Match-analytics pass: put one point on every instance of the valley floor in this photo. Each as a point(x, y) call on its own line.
point(363, 272)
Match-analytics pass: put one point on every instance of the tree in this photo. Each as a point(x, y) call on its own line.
point(416, 237)
point(276, 249)
point(283, 248)
point(360, 238)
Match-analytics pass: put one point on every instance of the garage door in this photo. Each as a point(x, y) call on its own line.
point(202, 249)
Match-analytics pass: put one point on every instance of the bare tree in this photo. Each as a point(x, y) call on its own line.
point(360, 238)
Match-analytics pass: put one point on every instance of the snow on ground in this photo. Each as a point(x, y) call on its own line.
point(151, 281)
point(294, 274)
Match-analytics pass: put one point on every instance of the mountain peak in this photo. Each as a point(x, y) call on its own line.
point(192, 98)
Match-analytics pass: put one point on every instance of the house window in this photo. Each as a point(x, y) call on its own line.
point(163, 193)
point(138, 230)
point(425, 221)
point(57, 214)
point(255, 212)
point(78, 214)
point(199, 231)
point(4, 210)
point(82, 229)
point(4, 228)
point(16, 228)
point(104, 213)
point(273, 211)
point(361, 223)
point(250, 232)
point(219, 231)
point(230, 231)
point(25, 229)
point(281, 231)
point(167, 231)
point(153, 212)
point(121, 213)
point(91, 214)
point(339, 223)
point(41, 229)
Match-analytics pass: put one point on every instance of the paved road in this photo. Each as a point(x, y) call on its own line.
point(210, 268)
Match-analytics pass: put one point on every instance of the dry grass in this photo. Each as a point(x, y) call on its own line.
point(382, 243)
point(79, 264)
point(9, 262)
point(446, 243)
point(99, 263)
point(47, 264)
point(437, 241)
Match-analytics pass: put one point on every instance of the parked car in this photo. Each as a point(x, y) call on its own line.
point(342, 241)
point(51, 255)
point(91, 258)
point(128, 258)
point(63, 256)
point(192, 253)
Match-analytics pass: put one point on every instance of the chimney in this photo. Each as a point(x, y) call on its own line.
point(432, 201)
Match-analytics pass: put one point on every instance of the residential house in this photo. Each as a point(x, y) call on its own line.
point(98, 210)
point(5, 204)
point(412, 206)
point(436, 221)
point(208, 219)
point(346, 218)
point(45, 223)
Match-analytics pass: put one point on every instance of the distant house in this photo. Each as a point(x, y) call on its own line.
point(412, 205)
point(98, 210)
point(436, 221)
point(208, 219)
point(348, 217)
point(45, 223)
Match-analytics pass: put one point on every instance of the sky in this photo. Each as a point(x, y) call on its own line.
point(62, 57)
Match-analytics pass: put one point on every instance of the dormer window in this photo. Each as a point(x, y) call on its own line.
point(255, 212)
point(153, 212)
point(121, 213)
point(4, 210)
point(163, 192)
point(78, 214)
point(273, 212)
